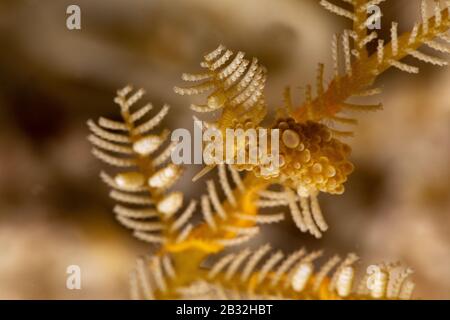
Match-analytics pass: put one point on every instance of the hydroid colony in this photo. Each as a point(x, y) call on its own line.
point(313, 159)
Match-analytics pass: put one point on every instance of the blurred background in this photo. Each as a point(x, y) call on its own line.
point(54, 210)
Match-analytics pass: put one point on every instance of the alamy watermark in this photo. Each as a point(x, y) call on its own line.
point(73, 21)
point(374, 20)
point(236, 146)
point(73, 281)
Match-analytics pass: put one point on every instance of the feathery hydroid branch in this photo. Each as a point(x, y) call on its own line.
point(313, 159)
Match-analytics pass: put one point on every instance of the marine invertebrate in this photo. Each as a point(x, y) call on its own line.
point(264, 274)
point(147, 178)
point(312, 162)
point(237, 88)
point(313, 159)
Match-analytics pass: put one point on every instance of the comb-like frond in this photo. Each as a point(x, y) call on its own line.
point(135, 213)
point(153, 277)
point(305, 211)
point(212, 193)
point(147, 209)
point(312, 159)
point(361, 70)
point(111, 124)
point(184, 217)
point(260, 275)
point(235, 84)
point(226, 185)
point(184, 233)
point(232, 220)
point(164, 155)
point(109, 146)
point(113, 160)
point(227, 221)
point(130, 198)
point(140, 226)
point(338, 10)
point(164, 178)
point(262, 218)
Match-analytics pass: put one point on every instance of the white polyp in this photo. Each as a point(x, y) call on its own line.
point(147, 145)
point(301, 276)
point(170, 203)
point(163, 177)
point(303, 191)
point(406, 290)
point(344, 281)
point(378, 285)
point(129, 179)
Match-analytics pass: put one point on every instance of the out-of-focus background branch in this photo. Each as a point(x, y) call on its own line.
point(55, 212)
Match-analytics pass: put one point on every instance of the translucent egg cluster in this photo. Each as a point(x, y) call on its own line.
point(311, 159)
